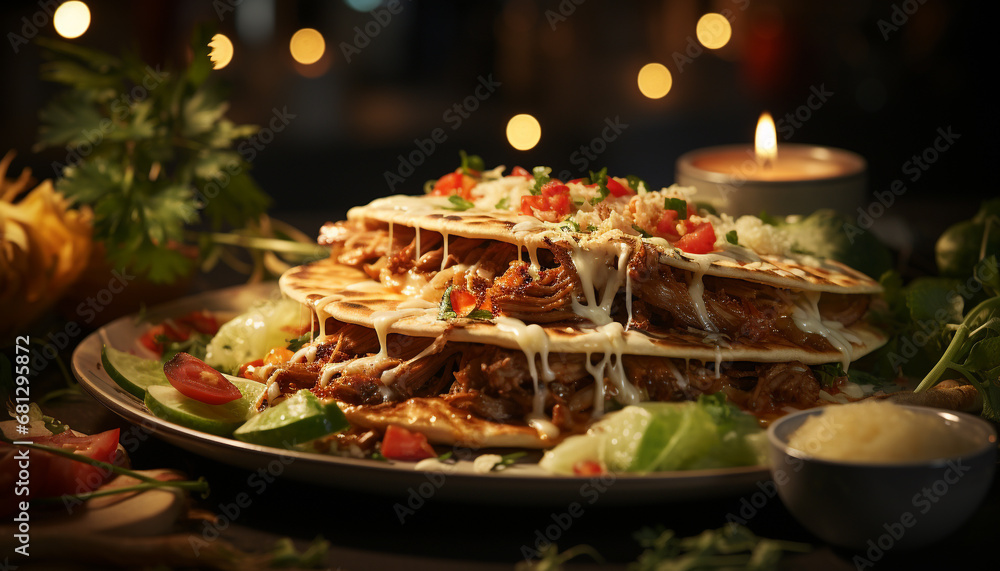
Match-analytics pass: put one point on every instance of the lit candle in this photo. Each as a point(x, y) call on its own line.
point(780, 180)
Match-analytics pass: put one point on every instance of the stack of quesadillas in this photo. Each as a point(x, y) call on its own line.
point(515, 310)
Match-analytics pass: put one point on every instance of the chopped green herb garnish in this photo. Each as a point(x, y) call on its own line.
point(542, 177)
point(446, 312)
point(570, 225)
point(732, 238)
point(508, 460)
point(637, 184)
point(600, 178)
point(300, 341)
point(479, 314)
point(471, 164)
point(503, 204)
point(678, 205)
point(641, 232)
point(429, 186)
point(458, 203)
point(591, 228)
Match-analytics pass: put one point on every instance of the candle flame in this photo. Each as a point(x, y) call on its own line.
point(766, 140)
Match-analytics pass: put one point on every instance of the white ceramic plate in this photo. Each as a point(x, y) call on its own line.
point(522, 483)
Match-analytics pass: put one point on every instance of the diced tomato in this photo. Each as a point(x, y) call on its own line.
point(278, 355)
point(245, 368)
point(618, 189)
point(402, 444)
point(576, 180)
point(551, 205)
point(700, 240)
point(200, 321)
point(518, 171)
point(667, 226)
point(195, 379)
point(463, 301)
point(454, 183)
point(588, 468)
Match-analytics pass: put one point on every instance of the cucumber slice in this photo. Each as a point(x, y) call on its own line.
point(299, 418)
point(134, 374)
point(168, 403)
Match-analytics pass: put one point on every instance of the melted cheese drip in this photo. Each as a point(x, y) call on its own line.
point(390, 238)
point(696, 289)
point(807, 318)
point(321, 315)
point(417, 257)
point(533, 341)
point(382, 321)
point(594, 274)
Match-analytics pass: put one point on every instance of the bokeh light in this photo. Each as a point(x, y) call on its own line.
point(222, 51)
point(523, 132)
point(307, 46)
point(71, 19)
point(363, 5)
point(655, 80)
point(713, 31)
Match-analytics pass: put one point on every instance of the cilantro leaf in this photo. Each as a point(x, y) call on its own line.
point(732, 238)
point(502, 204)
point(300, 341)
point(600, 178)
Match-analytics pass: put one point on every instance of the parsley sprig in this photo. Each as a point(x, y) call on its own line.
point(161, 154)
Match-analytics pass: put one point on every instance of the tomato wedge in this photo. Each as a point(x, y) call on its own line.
point(700, 240)
point(54, 476)
point(519, 171)
point(195, 379)
point(402, 444)
point(454, 183)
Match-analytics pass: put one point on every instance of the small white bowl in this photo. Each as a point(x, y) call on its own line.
point(870, 506)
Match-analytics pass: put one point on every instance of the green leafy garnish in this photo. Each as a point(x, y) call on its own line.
point(471, 165)
point(445, 311)
point(458, 203)
point(481, 314)
point(591, 228)
point(637, 184)
point(300, 341)
point(600, 178)
point(732, 238)
point(429, 186)
point(508, 460)
point(155, 165)
point(641, 232)
point(542, 177)
point(503, 204)
point(678, 205)
point(284, 554)
point(570, 225)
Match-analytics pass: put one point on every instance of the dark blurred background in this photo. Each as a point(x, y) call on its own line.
point(892, 73)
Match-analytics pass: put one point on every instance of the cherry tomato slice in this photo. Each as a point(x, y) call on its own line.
point(195, 379)
point(402, 444)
